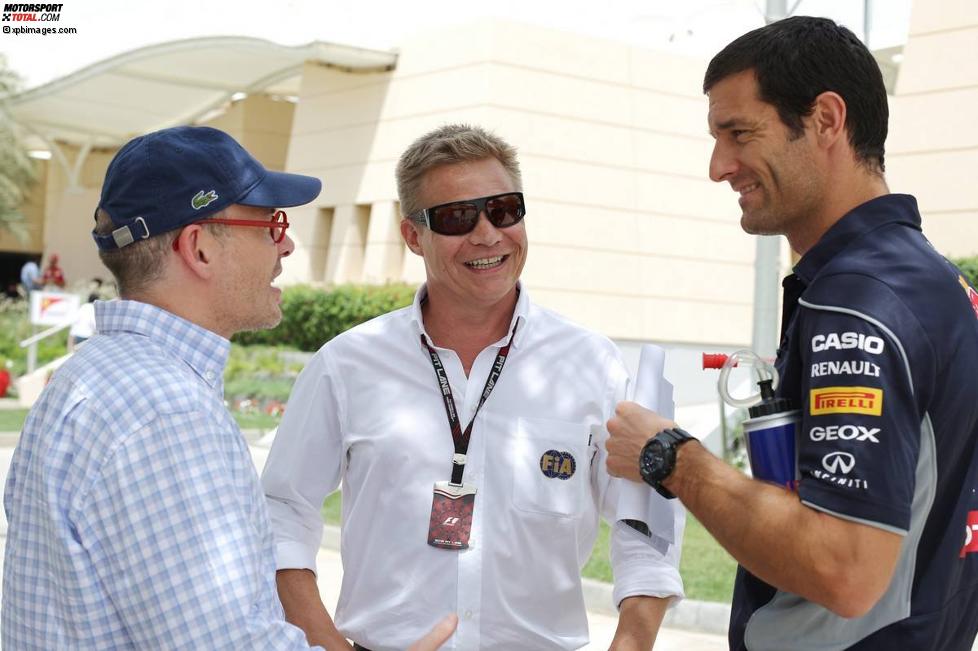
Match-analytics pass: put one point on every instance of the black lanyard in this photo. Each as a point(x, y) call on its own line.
point(460, 437)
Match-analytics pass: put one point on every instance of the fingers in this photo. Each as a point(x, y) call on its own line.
point(632, 419)
point(437, 636)
point(629, 429)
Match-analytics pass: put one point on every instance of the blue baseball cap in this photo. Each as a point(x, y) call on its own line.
point(174, 177)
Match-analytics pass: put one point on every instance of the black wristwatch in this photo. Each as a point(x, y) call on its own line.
point(658, 458)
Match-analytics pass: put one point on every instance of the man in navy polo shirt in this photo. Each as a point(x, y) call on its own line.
point(878, 548)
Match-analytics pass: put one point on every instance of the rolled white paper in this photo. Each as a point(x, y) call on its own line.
point(639, 502)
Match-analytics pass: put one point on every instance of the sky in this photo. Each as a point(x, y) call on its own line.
point(694, 27)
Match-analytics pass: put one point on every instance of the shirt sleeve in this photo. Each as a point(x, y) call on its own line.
point(306, 463)
point(639, 568)
point(860, 429)
point(174, 547)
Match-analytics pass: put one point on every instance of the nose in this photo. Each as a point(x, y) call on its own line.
point(484, 232)
point(723, 161)
point(286, 247)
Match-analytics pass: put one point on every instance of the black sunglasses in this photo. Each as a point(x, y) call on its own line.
point(460, 217)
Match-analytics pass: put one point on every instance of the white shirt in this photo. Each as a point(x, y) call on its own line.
point(367, 411)
point(84, 324)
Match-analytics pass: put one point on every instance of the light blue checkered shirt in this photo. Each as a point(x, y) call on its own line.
point(136, 520)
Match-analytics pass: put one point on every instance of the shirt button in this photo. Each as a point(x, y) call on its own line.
point(467, 614)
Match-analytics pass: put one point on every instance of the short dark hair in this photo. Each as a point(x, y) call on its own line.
point(137, 266)
point(797, 59)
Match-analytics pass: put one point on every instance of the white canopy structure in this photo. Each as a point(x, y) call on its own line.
point(178, 82)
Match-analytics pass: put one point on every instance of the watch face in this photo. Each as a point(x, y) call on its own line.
point(660, 459)
point(657, 455)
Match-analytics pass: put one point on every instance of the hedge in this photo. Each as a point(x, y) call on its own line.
point(969, 267)
point(311, 316)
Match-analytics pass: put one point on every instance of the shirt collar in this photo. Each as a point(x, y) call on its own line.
point(864, 218)
point(520, 315)
point(204, 351)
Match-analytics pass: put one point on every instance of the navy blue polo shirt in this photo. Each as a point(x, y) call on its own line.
point(881, 355)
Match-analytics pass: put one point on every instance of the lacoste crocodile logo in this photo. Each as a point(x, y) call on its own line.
point(202, 200)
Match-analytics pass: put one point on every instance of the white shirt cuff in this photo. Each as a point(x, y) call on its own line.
point(291, 555)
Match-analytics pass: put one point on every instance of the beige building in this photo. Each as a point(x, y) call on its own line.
point(628, 236)
point(932, 151)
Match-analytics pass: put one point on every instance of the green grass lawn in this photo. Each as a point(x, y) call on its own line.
point(12, 420)
point(256, 420)
point(707, 569)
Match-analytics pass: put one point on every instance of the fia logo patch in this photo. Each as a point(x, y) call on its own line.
point(202, 199)
point(557, 464)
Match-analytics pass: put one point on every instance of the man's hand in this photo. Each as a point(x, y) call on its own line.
point(630, 429)
point(437, 636)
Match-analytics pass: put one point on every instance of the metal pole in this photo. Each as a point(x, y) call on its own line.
point(775, 10)
point(724, 443)
point(767, 254)
point(32, 357)
point(764, 333)
point(867, 20)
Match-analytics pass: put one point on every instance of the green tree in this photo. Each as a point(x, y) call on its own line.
point(16, 167)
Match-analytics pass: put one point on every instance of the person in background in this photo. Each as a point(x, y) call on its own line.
point(30, 275)
point(53, 275)
point(83, 326)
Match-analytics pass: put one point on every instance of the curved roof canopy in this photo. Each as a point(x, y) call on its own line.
point(178, 82)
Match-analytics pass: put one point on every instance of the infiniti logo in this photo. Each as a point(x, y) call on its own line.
point(838, 462)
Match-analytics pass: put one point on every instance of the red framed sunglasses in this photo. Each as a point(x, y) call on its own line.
point(460, 217)
point(276, 226)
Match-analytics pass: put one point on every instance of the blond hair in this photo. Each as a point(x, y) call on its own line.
point(447, 145)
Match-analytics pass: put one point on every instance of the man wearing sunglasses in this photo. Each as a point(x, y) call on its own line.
point(135, 516)
point(467, 431)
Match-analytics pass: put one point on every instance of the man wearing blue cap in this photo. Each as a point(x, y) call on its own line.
point(135, 515)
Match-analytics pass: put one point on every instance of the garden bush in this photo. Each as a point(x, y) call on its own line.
point(15, 326)
point(311, 316)
point(969, 267)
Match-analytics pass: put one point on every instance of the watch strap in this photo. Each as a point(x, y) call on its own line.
point(669, 440)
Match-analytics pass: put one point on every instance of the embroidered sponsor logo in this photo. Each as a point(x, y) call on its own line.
point(839, 463)
point(847, 367)
point(202, 199)
point(847, 341)
point(970, 535)
point(846, 400)
point(557, 464)
point(844, 433)
point(843, 482)
point(972, 294)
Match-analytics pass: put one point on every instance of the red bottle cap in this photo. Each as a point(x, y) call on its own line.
point(714, 360)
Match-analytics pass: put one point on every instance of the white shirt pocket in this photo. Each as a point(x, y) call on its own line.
point(551, 466)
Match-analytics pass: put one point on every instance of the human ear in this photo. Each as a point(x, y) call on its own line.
point(411, 234)
point(828, 119)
